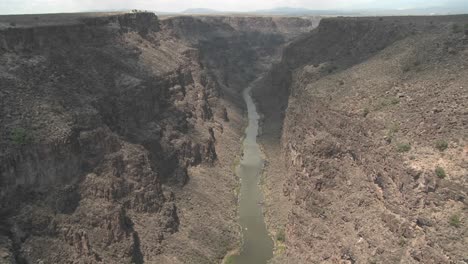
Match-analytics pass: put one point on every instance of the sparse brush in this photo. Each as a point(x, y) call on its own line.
point(456, 28)
point(403, 147)
point(455, 221)
point(365, 112)
point(20, 136)
point(395, 101)
point(229, 260)
point(280, 236)
point(384, 102)
point(441, 145)
point(440, 172)
point(402, 242)
point(394, 128)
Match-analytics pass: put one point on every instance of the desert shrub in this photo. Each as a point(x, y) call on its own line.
point(392, 130)
point(406, 68)
point(365, 112)
point(440, 172)
point(403, 147)
point(384, 102)
point(395, 101)
point(20, 136)
point(441, 145)
point(280, 236)
point(402, 242)
point(456, 28)
point(229, 259)
point(455, 220)
point(332, 68)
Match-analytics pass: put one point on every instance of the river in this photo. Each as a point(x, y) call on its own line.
point(257, 246)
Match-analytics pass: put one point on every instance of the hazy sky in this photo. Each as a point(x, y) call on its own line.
point(50, 6)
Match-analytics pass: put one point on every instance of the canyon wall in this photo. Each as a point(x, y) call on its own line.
point(237, 50)
point(118, 135)
point(370, 118)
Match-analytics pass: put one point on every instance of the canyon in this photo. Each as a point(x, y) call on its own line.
point(120, 135)
point(120, 132)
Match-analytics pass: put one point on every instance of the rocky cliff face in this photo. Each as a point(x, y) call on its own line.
point(92, 125)
point(373, 141)
point(118, 135)
point(237, 50)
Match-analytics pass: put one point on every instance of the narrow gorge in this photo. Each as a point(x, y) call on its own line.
point(122, 139)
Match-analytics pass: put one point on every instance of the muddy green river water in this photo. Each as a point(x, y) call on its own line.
point(257, 246)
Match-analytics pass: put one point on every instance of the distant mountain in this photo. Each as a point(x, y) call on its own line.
point(302, 11)
point(377, 8)
point(415, 7)
point(201, 11)
point(451, 7)
point(454, 7)
point(414, 11)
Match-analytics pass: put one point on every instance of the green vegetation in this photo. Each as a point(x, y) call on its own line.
point(402, 242)
point(280, 236)
point(138, 11)
point(332, 68)
point(20, 136)
point(386, 102)
point(229, 259)
point(456, 28)
point(406, 68)
point(392, 130)
point(365, 112)
point(441, 145)
point(403, 147)
point(455, 220)
point(395, 101)
point(440, 172)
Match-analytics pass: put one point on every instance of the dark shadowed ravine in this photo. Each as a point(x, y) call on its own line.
point(257, 246)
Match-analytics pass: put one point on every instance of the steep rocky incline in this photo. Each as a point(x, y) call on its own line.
point(118, 134)
point(371, 117)
point(95, 117)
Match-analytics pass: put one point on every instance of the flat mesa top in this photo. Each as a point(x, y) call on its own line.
point(34, 20)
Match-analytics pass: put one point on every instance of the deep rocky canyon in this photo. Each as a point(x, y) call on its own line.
point(119, 135)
